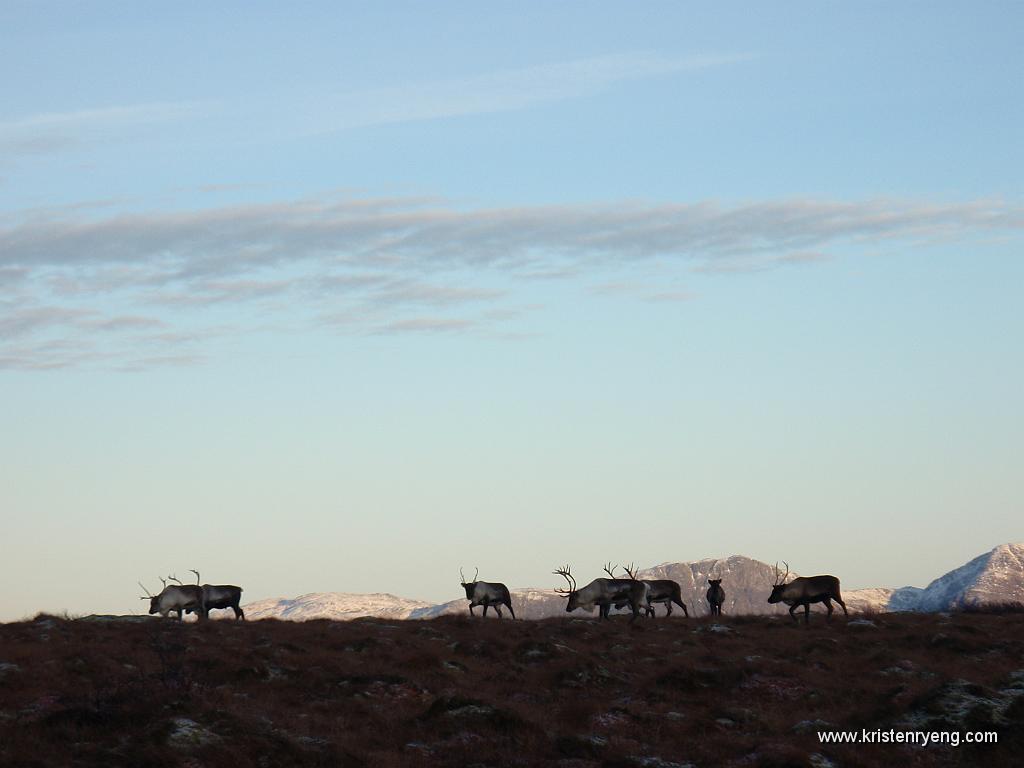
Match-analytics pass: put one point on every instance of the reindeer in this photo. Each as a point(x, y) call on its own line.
point(804, 591)
point(486, 593)
point(604, 593)
point(716, 596)
point(659, 591)
point(183, 597)
point(220, 596)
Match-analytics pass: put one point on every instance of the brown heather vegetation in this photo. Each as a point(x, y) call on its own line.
point(460, 692)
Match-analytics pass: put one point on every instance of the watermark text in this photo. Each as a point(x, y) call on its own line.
point(920, 738)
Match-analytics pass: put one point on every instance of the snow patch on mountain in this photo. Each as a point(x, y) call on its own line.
point(334, 605)
point(871, 599)
point(527, 602)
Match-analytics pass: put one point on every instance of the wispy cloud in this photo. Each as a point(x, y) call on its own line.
point(26, 320)
point(669, 296)
point(127, 323)
point(240, 240)
point(49, 354)
point(324, 112)
point(141, 364)
point(505, 90)
point(410, 292)
point(12, 275)
point(636, 289)
point(761, 262)
point(376, 266)
point(45, 134)
point(425, 325)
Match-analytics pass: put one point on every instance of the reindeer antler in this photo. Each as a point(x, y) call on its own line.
point(567, 575)
point(148, 596)
point(610, 569)
point(163, 581)
point(174, 578)
point(631, 570)
point(197, 575)
point(476, 574)
point(781, 581)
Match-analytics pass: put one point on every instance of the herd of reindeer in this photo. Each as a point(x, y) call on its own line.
point(640, 595)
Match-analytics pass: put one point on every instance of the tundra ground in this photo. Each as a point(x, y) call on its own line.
point(456, 691)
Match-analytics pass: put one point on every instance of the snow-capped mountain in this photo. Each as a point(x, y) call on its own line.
point(995, 577)
point(334, 605)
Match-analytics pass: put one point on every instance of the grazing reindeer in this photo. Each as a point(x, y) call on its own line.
point(716, 596)
point(804, 591)
point(604, 593)
point(176, 598)
point(221, 596)
point(663, 591)
point(486, 593)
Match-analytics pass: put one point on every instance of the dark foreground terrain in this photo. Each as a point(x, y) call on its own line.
point(458, 692)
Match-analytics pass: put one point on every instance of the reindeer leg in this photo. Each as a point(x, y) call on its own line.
point(828, 605)
point(807, 613)
point(840, 601)
point(793, 608)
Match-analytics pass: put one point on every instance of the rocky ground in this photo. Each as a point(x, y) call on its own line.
point(458, 692)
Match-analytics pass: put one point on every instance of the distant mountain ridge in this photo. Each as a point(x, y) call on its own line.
point(994, 577)
point(334, 605)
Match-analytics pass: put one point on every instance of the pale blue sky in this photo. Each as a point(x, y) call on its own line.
point(339, 298)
